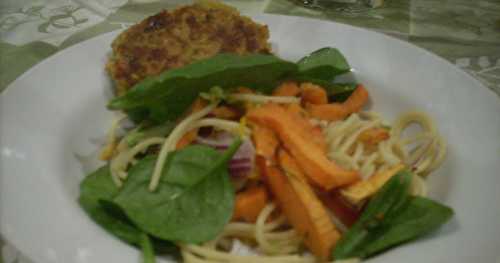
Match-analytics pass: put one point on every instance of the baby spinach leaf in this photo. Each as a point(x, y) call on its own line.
point(339, 92)
point(148, 253)
point(194, 200)
point(323, 64)
point(139, 134)
point(418, 218)
point(168, 95)
point(391, 196)
point(391, 218)
point(95, 187)
point(184, 166)
point(95, 190)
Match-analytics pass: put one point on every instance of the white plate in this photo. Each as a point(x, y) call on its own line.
point(50, 116)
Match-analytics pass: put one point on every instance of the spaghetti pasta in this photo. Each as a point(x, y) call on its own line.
point(273, 243)
point(274, 240)
point(271, 238)
point(423, 152)
point(171, 141)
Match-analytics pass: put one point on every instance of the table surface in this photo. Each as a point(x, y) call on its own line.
point(465, 32)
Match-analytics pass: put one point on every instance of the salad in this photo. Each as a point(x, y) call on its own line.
point(253, 158)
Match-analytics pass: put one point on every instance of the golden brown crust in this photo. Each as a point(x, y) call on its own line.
point(172, 39)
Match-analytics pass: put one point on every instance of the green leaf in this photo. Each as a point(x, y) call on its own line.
point(184, 166)
point(95, 187)
point(418, 218)
point(390, 196)
point(95, 191)
point(148, 253)
point(194, 200)
point(168, 95)
point(137, 135)
point(323, 64)
point(339, 92)
point(336, 92)
point(392, 217)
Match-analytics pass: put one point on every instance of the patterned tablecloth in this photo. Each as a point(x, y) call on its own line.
point(465, 32)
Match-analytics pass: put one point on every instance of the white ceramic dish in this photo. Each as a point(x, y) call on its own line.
point(50, 116)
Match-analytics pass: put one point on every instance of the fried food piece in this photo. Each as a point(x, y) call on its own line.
point(172, 39)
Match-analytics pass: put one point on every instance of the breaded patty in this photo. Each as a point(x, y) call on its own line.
point(172, 39)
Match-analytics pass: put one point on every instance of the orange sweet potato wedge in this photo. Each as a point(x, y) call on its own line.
point(311, 158)
point(357, 99)
point(226, 112)
point(244, 90)
point(374, 136)
point(265, 141)
point(361, 190)
point(287, 88)
point(249, 203)
point(328, 112)
point(289, 165)
point(313, 94)
point(303, 210)
point(186, 139)
point(307, 129)
point(190, 136)
point(339, 111)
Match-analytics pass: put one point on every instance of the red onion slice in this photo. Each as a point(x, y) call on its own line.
point(242, 162)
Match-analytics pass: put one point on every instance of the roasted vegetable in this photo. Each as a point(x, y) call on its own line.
point(265, 141)
point(302, 209)
point(249, 203)
point(339, 111)
point(313, 94)
point(311, 158)
point(287, 88)
point(373, 136)
point(363, 189)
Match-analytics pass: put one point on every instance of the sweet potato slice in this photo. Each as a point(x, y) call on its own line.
point(307, 129)
point(186, 139)
point(313, 94)
point(226, 112)
point(287, 88)
point(328, 112)
point(357, 99)
point(361, 190)
point(339, 111)
point(289, 165)
point(303, 210)
point(190, 136)
point(373, 136)
point(244, 90)
point(310, 157)
point(265, 141)
point(249, 203)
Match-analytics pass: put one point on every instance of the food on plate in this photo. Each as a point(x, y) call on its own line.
point(172, 39)
point(253, 158)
